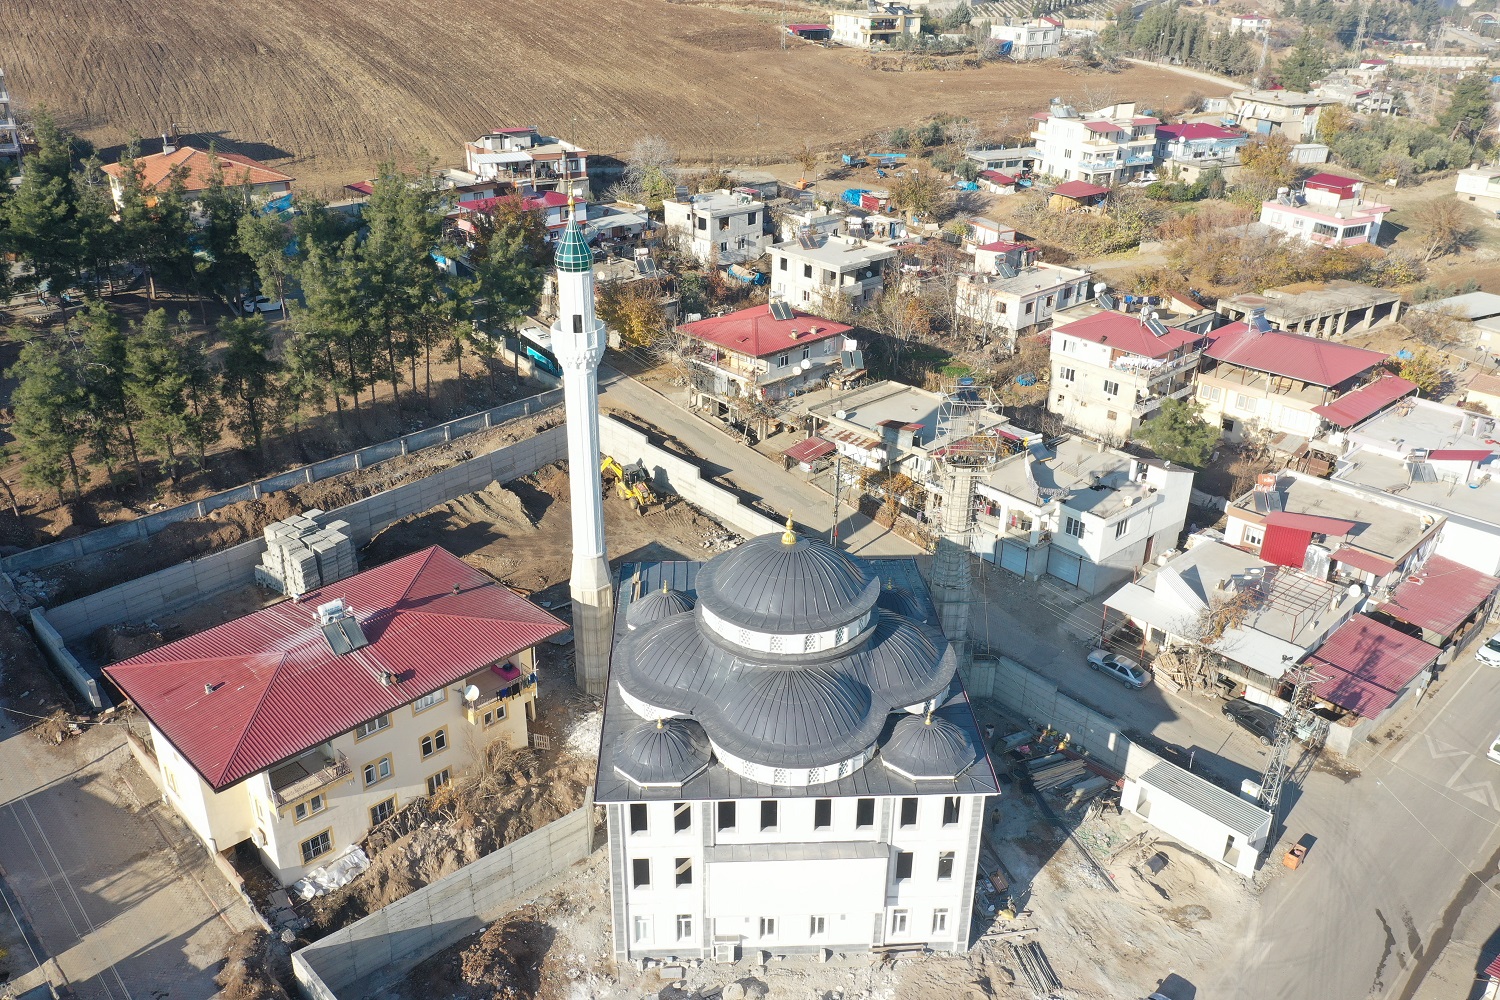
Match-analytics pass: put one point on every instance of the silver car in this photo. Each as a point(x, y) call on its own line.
point(1121, 668)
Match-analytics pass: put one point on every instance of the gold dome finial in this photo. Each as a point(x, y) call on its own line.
point(789, 537)
point(660, 723)
point(664, 587)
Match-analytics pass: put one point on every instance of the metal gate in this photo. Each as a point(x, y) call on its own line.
point(1013, 557)
point(1064, 565)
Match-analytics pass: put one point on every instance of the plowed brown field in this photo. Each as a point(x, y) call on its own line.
point(333, 86)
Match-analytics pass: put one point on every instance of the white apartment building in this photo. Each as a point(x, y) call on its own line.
point(1011, 301)
point(757, 803)
point(809, 272)
point(1079, 512)
point(723, 226)
point(10, 136)
point(524, 158)
point(1480, 187)
point(1026, 39)
point(877, 26)
point(1111, 370)
point(300, 727)
point(1293, 114)
point(1108, 146)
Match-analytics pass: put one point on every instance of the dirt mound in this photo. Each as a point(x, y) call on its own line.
point(494, 504)
point(114, 643)
point(503, 962)
point(252, 967)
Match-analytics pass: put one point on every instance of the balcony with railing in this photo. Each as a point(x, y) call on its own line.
point(501, 683)
point(1144, 406)
point(305, 774)
point(737, 366)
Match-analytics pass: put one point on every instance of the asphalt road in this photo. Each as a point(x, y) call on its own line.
point(114, 896)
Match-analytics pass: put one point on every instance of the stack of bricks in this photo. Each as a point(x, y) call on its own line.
point(302, 554)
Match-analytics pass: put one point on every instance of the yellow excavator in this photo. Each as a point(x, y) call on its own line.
point(632, 482)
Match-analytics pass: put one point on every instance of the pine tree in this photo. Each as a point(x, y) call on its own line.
point(106, 373)
point(50, 413)
point(169, 386)
point(1469, 109)
point(221, 207)
point(248, 377)
point(1304, 65)
point(1178, 433)
point(336, 317)
point(42, 214)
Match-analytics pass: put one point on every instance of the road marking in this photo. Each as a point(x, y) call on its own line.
point(1436, 715)
point(1480, 791)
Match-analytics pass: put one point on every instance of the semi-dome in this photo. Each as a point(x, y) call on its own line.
point(655, 606)
point(664, 752)
point(928, 748)
point(899, 600)
point(788, 584)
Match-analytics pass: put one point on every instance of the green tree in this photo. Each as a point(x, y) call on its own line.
point(226, 268)
point(157, 227)
point(42, 215)
point(336, 318)
point(50, 409)
point(264, 239)
point(170, 387)
point(1304, 65)
point(111, 430)
point(248, 377)
point(509, 259)
point(1470, 109)
point(1425, 369)
point(1179, 433)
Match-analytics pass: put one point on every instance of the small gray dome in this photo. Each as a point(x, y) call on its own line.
point(668, 752)
point(930, 747)
point(899, 600)
point(655, 606)
point(786, 583)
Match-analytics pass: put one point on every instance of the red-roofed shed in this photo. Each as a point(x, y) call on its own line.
point(1307, 359)
point(1079, 189)
point(757, 333)
point(1367, 666)
point(1441, 597)
point(809, 451)
point(1368, 562)
point(1363, 403)
point(247, 695)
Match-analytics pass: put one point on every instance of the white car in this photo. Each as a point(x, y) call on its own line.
point(1121, 668)
point(1494, 753)
point(1489, 652)
point(261, 303)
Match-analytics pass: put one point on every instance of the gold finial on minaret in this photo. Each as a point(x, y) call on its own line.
point(789, 537)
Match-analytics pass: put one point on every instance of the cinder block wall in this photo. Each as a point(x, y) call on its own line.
point(373, 952)
point(1032, 696)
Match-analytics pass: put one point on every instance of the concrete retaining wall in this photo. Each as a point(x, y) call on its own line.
point(57, 651)
point(192, 582)
point(672, 473)
point(1032, 696)
point(371, 953)
point(115, 535)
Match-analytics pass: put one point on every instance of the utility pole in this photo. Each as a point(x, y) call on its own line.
point(1298, 716)
point(838, 482)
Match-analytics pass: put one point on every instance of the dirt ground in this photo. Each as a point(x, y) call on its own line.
point(353, 85)
point(242, 521)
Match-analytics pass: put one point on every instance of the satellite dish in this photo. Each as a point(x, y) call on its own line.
point(471, 694)
point(806, 364)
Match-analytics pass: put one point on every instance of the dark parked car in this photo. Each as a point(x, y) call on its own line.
point(1258, 720)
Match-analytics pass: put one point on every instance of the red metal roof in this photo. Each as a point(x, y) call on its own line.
point(1367, 561)
point(1331, 182)
point(1310, 522)
point(1285, 545)
point(809, 450)
point(756, 332)
point(1459, 455)
point(1309, 359)
point(1005, 246)
point(1127, 333)
point(1103, 128)
point(1448, 592)
point(1367, 665)
point(807, 27)
point(1079, 189)
point(1366, 401)
point(279, 689)
point(1198, 130)
point(996, 177)
point(1493, 969)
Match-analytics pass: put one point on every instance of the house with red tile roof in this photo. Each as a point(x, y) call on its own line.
point(1112, 368)
point(1270, 384)
point(196, 168)
point(1326, 210)
point(300, 727)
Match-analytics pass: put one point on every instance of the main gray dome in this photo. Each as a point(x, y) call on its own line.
point(770, 584)
point(930, 747)
point(667, 752)
point(655, 606)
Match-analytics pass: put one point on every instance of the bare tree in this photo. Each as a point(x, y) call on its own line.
point(963, 134)
point(1441, 328)
point(808, 161)
point(1443, 226)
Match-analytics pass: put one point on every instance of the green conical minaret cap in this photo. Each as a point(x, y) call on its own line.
point(573, 252)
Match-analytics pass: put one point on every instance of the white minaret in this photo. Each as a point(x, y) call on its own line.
point(578, 344)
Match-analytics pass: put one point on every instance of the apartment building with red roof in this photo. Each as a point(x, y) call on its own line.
point(1327, 210)
point(1278, 386)
point(300, 727)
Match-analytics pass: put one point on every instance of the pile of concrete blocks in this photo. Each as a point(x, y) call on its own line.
point(303, 554)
